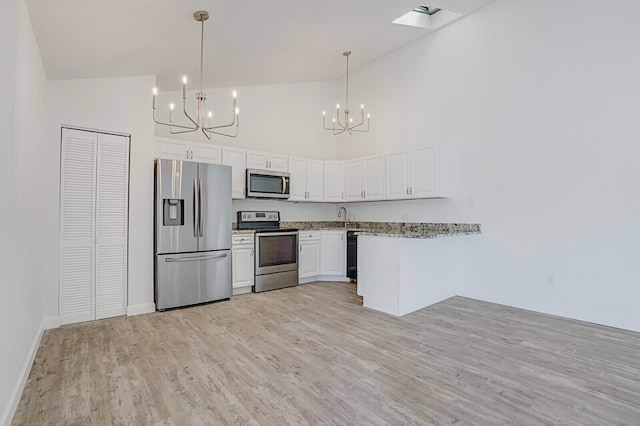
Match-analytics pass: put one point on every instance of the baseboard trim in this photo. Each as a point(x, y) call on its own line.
point(324, 278)
point(51, 322)
point(7, 417)
point(145, 308)
point(558, 311)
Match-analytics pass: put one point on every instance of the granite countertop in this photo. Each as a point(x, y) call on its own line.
point(241, 231)
point(391, 229)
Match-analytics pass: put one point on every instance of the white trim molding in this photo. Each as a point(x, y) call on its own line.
point(12, 406)
point(145, 308)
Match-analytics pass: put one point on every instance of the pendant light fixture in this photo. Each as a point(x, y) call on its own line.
point(202, 119)
point(347, 124)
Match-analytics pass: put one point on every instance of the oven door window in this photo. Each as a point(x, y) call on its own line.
point(277, 250)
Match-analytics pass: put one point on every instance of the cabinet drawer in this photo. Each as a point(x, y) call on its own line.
point(308, 235)
point(242, 239)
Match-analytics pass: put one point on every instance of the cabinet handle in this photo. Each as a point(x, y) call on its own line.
point(407, 190)
point(187, 154)
point(365, 194)
point(411, 191)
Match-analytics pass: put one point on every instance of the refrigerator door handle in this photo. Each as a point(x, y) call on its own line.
point(195, 208)
point(190, 259)
point(200, 224)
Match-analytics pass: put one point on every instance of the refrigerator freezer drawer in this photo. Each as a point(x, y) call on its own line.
point(191, 278)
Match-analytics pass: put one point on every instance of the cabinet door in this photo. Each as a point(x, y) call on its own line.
point(353, 171)
point(172, 149)
point(257, 160)
point(278, 162)
point(112, 200)
point(425, 173)
point(333, 253)
point(374, 178)
point(206, 153)
point(397, 175)
point(298, 181)
point(334, 181)
point(235, 158)
point(242, 265)
point(309, 255)
point(315, 178)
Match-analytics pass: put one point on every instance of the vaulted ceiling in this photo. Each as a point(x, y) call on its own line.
point(246, 42)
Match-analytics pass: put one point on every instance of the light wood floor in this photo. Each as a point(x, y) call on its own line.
point(313, 355)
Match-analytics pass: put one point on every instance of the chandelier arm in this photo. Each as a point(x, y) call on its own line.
point(337, 133)
point(184, 109)
point(205, 133)
point(170, 124)
point(223, 134)
point(221, 126)
point(362, 130)
point(177, 132)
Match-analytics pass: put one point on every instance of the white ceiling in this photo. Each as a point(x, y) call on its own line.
point(247, 42)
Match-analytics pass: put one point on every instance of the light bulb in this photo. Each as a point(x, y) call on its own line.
point(235, 94)
point(334, 120)
point(171, 106)
point(184, 79)
point(237, 111)
point(210, 114)
point(324, 113)
point(351, 120)
point(155, 91)
point(368, 115)
point(361, 106)
point(337, 106)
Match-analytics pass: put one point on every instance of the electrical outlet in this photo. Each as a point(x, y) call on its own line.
point(551, 280)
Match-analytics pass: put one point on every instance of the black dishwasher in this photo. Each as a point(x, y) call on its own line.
point(352, 255)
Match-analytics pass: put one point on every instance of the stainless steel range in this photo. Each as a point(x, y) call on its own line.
point(276, 250)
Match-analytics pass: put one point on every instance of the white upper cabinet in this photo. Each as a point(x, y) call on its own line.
point(334, 181)
point(418, 173)
point(306, 179)
point(266, 161)
point(175, 149)
point(235, 157)
point(365, 178)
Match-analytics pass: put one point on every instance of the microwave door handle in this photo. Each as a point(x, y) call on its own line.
point(195, 208)
point(200, 223)
point(284, 185)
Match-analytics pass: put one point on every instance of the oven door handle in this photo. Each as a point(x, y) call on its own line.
point(275, 234)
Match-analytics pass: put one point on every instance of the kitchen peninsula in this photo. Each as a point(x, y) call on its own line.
point(403, 267)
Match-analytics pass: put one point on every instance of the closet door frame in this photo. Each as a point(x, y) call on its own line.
point(80, 297)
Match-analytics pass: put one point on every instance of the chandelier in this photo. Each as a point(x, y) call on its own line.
point(202, 120)
point(347, 124)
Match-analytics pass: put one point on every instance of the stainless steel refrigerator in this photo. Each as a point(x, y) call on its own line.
point(192, 233)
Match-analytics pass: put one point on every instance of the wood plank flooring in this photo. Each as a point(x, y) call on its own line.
point(313, 355)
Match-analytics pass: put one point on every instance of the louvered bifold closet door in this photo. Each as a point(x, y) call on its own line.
point(112, 197)
point(77, 226)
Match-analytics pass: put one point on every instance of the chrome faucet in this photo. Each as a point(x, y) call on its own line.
point(345, 215)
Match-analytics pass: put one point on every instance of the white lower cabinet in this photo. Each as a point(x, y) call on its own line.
point(322, 256)
point(242, 262)
point(94, 208)
point(334, 253)
point(309, 254)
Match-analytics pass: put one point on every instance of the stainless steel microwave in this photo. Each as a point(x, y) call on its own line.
point(267, 184)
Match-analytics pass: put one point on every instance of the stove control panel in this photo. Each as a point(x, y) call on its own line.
point(244, 216)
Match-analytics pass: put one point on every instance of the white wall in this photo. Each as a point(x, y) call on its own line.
point(540, 101)
point(21, 87)
point(117, 105)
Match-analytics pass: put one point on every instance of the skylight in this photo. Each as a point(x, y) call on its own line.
point(427, 17)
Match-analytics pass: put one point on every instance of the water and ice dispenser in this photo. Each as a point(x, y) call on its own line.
point(173, 212)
